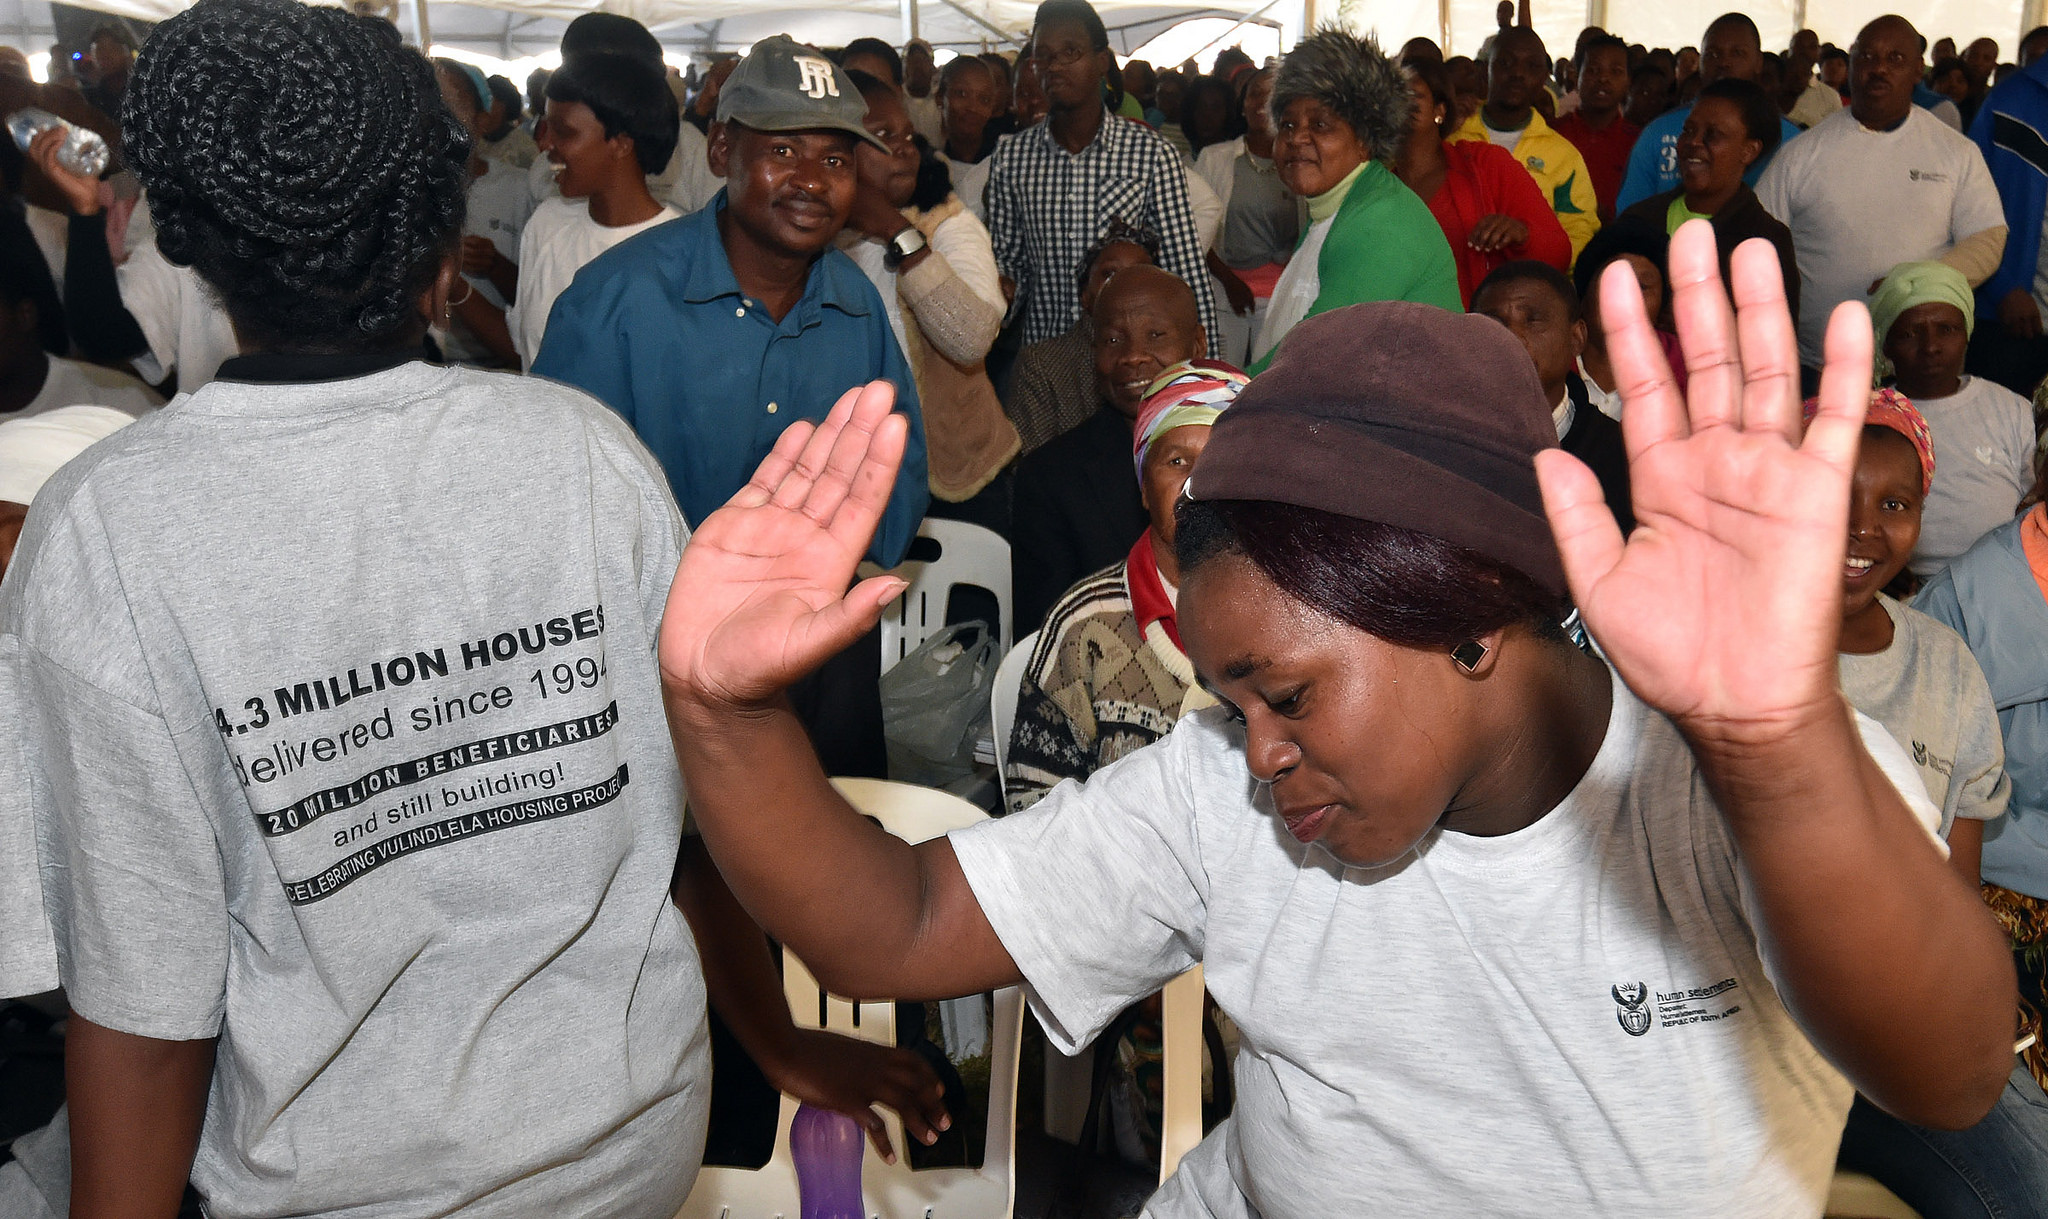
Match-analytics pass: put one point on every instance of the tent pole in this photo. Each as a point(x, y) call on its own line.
point(1596, 13)
point(1798, 15)
point(983, 22)
point(1308, 17)
point(1443, 26)
point(908, 10)
point(420, 27)
point(2032, 13)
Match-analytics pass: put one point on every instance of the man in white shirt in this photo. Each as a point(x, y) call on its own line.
point(33, 381)
point(1878, 184)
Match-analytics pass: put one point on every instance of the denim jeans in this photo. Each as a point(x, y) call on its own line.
point(1997, 1169)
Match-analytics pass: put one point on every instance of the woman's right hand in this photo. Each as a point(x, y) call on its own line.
point(761, 598)
point(81, 193)
point(1496, 232)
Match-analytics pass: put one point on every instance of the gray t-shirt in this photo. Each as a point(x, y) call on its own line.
point(1928, 692)
point(1983, 463)
point(1264, 221)
point(1572, 1019)
point(342, 736)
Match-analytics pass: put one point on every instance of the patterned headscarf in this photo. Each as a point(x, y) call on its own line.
point(1191, 393)
point(1891, 409)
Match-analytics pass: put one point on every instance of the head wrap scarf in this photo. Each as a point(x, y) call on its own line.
point(33, 449)
point(1891, 409)
point(1189, 394)
point(1920, 283)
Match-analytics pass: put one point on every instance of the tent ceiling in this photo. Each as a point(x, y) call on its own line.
point(515, 28)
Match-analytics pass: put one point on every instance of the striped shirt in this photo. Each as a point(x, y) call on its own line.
point(1046, 206)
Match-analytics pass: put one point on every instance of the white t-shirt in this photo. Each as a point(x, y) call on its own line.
point(499, 203)
point(960, 240)
point(1928, 692)
point(1983, 463)
point(1860, 202)
point(1816, 102)
point(1569, 1020)
point(1296, 291)
point(560, 238)
point(184, 325)
point(74, 383)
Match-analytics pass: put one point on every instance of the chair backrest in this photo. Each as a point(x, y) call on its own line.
point(1180, 1126)
point(1002, 698)
point(914, 814)
point(969, 555)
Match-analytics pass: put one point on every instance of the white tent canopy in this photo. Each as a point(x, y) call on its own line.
point(511, 29)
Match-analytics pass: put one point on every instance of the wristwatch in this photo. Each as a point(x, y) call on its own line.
point(902, 246)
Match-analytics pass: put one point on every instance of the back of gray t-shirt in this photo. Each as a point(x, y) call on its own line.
point(343, 742)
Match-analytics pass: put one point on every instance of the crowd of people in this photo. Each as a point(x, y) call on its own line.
point(1449, 624)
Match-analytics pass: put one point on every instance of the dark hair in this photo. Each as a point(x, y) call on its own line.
point(1740, 21)
point(1348, 74)
point(599, 32)
point(1437, 80)
point(1835, 52)
point(1599, 42)
point(1117, 232)
point(1942, 67)
point(1528, 270)
point(1648, 69)
point(1409, 588)
point(880, 50)
point(961, 63)
point(629, 95)
point(1080, 12)
point(1760, 116)
point(1645, 241)
point(302, 162)
point(119, 33)
point(537, 89)
point(867, 84)
point(503, 90)
point(24, 276)
point(996, 63)
point(1199, 88)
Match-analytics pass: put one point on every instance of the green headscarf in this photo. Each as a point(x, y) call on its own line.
point(1920, 283)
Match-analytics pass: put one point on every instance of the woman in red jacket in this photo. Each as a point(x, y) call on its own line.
point(1489, 207)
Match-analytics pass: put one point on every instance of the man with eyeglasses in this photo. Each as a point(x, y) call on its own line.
point(1055, 187)
point(1880, 183)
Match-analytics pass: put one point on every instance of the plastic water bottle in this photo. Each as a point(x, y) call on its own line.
point(827, 1148)
point(83, 152)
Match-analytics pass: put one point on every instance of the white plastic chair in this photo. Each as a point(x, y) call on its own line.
point(914, 814)
point(1855, 1196)
point(1180, 1125)
point(968, 554)
point(1002, 698)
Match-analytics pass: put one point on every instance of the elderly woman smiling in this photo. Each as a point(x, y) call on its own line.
point(1340, 112)
point(1506, 930)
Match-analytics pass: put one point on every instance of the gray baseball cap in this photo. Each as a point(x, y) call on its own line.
point(783, 85)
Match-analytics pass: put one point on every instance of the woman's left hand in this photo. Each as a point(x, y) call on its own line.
point(1724, 607)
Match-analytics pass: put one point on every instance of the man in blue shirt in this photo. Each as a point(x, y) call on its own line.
point(713, 333)
point(1730, 48)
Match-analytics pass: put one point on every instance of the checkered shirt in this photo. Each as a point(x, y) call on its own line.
point(1046, 206)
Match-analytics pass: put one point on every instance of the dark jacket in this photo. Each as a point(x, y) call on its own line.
point(1596, 440)
point(1742, 219)
point(1077, 511)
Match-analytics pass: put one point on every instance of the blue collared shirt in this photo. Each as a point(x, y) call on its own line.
point(658, 328)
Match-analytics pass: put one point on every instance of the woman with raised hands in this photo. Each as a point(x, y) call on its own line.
point(1479, 903)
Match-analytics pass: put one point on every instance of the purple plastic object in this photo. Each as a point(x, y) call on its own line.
point(827, 1148)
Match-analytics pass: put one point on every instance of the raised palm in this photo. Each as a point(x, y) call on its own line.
point(761, 598)
point(1723, 608)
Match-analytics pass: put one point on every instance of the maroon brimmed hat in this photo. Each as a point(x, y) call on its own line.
point(1403, 414)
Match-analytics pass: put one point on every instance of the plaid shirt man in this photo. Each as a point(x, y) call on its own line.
point(1047, 206)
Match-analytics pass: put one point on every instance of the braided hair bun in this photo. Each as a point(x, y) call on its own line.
point(301, 160)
